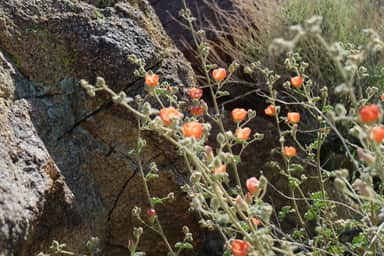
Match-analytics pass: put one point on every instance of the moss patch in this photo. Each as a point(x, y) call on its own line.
point(49, 62)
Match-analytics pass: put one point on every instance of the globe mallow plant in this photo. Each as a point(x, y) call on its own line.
point(237, 208)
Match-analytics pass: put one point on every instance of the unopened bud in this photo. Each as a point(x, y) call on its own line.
point(340, 184)
point(365, 157)
point(220, 138)
point(100, 82)
point(136, 211)
point(195, 177)
point(137, 232)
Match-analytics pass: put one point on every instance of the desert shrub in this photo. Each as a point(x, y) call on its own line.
point(343, 213)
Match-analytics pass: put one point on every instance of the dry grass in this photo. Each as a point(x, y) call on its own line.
point(244, 34)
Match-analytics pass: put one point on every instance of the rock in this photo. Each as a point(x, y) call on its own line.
point(54, 43)
point(209, 17)
point(30, 180)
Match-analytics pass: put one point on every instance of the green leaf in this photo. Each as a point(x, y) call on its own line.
point(236, 159)
point(180, 245)
point(298, 234)
point(156, 200)
point(239, 141)
point(309, 215)
point(296, 168)
point(284, 212)
point(293, 182)
point(140, 144)
point(222, 94)
point(228, 253)
point(359, 241)
point(131, 152)
point(327, 108)
point(151, 176)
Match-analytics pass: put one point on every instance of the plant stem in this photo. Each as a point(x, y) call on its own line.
point(219, 120)
point(148, 194)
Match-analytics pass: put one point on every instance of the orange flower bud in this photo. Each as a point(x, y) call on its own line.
point(253, 185)
point(221, 169)
point(241, 203)
point(365, 156)
point(193, 129)
point(297, 81)
point(239, 114)
point(256, 221)
point(151, 80)
point(382, 97)
point(196, 111)
point(369, 113)
point(239, 247)
point(167, 114)
point(209, 153)
point(248, 198)
point(270, 110)
point(289, 151)
point(239, 200)
point(293, 117)
point(377, 134)
point(243, 133)
point(219, 74)
point(195, 93)
point(151, 213)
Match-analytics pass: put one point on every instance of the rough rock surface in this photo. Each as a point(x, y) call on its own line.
point(208, 14)
point(30, 180)
point(54, 43)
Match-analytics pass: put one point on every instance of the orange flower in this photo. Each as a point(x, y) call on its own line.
point(293, 117)
point(167, 114)
point(377, 134)
point(219, 74)
point(151, 80)
point(193, 129)
point(297, 81)
point(369, 113)
point(289, 151)
point(195, 93)
point(270, 110)
point(243, 133)
point(382, 96)
point(196, 111)
point(220, 170)
point(253, 185)
point(239, 247)
point(239, 114)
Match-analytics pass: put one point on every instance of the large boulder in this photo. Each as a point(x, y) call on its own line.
point(33, 191)
point(211, 16)
point(54, 43)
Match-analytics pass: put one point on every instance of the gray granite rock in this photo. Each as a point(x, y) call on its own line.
point(29, 178)
point(54, 43)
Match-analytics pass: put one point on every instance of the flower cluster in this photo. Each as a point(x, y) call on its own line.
point(305, 121)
